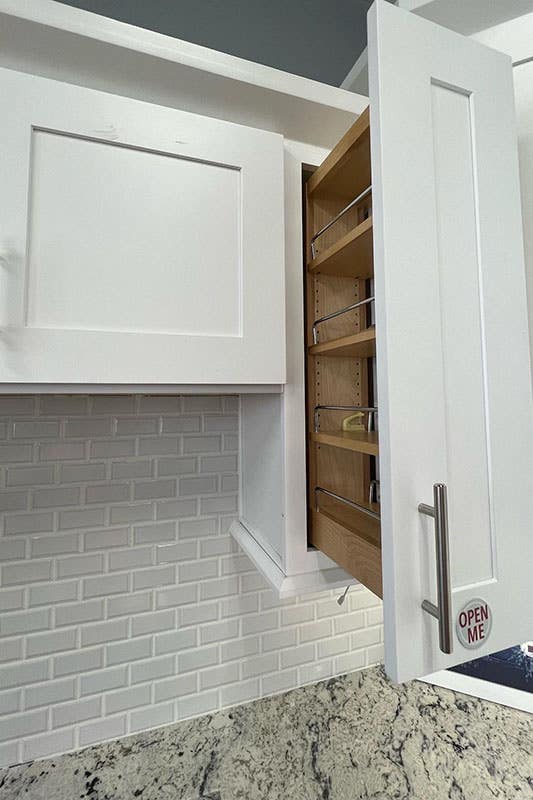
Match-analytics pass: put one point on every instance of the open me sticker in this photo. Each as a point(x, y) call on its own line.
point(473, 623)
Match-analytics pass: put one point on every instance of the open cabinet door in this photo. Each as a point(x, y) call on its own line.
point(454, 383)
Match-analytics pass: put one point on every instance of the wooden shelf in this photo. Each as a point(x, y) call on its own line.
point(357, 441)
point(350, 538)
point(346, 171)
point(358, 345)
point(351, 256)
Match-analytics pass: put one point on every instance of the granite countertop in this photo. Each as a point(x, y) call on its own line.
point(357, 737)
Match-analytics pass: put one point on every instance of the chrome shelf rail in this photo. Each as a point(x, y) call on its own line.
point(337, 217)
point(341, 499)
point(338, 313)
point(371, 410)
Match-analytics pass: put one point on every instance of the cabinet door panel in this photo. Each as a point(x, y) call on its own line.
point(145, 233)
point(453, 359)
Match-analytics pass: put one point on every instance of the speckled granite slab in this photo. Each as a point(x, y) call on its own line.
point(352, 738)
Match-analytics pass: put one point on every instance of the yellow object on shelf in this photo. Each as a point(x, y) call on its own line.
point(354, 422)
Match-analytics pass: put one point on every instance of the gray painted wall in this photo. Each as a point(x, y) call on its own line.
point(319, 39)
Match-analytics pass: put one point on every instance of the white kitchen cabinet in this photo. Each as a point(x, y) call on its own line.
point(140, 244)
point(437, 240)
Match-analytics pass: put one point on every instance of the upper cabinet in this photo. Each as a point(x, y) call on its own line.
point(139, 244)
point(419, 412)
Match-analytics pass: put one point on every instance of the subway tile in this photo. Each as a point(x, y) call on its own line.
point(169, 553)
point(362, 598)
point(221, 423)
point(315, 630)
point(202, 403)
point(218, 676)
point(131, 469)
point(129, 604)
point(160, 404)
point(374, 616)
point(230, 443)
point(14, 501)
point(137, 426)
point(9, 753)
point(51, 593)
point(108, 493)
point(241, 692)
point(260, 665)
point(103, 680)
point(29, 523)
point(176, 686)
point(63, 405)
point(11, 650)
point(177, 596)
point(23, 673)
point(16, 405)
point(170, 509)
point(366, 637)
point(78, 711)
point(131, 650)
point(152, 669)
point(279, 640)
point(194, 615)
point(88, 428)
point(219, 505)
point(35, 429)
point(10, 701)
point(156, 532)
point(219, 631)
point(12, 549)
point(82, 661)
point(297, 614)
point(198, 659)
point(253, 582)
point(62, 451)
point(236, 606)
point(198, 570)
point(125, 699)
point(85, 518)
point(181, 424)
point(104, 585)
point(229, 483)
point(174, 641)
point(349, 662)
point(47, 694)
point(81, 473)
point(14, 453)
point(230, 403)
point(279, 682)
point(131, 558)
point(47, 744)
point(197, 486)
point(218, 588)
point(151, 717)
point(27, 572)
point(100, 731)
point(11, 599)
point(51, 642)
point(113, 404)
point(234, 564)
point(153, 622)
point(54, 498)
point(132, 513)
point(159, 445)
point(225, 463)
point(202, 444)
point(193, 528)
point(105, 539)
point(80, 565)
point(270, 599)
point(310, 673)
point(196, 704)
point(30, 476)
point(104, 632)
point(176, 466)
point(154, 490)
point(219, 546)
point(54, 545)
point(375, 655)
point(240, 648)
point(152, 578)
point(79, 613)
point(330, 608)
point(257, 623)
point(349, 622)
point(19, 725)
point(333, 647)
point(113, 448)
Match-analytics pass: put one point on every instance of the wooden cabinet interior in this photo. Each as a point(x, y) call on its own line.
point(341, 346)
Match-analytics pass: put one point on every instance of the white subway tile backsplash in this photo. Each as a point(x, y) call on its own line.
point(126, 603)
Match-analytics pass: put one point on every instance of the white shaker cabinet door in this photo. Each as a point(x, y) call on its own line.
point(139, 244)
point(454, 382)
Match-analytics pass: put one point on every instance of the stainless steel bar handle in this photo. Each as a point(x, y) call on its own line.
point(443, 610)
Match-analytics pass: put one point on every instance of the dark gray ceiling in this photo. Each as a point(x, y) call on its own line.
point(319, 39)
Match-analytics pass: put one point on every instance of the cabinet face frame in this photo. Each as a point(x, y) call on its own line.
point(244, 343)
